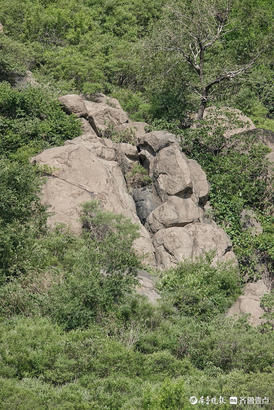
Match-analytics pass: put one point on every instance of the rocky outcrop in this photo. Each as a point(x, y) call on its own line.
point(249, 303)
point(231, 119)
point(176, 244)
point(82, 170)
point(146, 201)
point(200, 184)
point(104, 114)
point(169, 210)
point(175, 211)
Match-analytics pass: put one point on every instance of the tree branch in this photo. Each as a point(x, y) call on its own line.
point(228, 75)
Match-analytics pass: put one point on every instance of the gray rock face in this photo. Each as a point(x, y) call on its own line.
point(200, 184)
point(146, 201)
point(176, 244)
point(156, 140)
point(84, 170)
point(174, 212)
point(249, 303)
point(104, 117)
point(73, 103)
point(91, 167)
point(172, 174)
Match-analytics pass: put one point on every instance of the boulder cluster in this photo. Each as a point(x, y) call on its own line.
point(169, 206)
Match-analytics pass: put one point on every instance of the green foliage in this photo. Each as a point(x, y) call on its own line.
point(15, 58)
point(21, 216)
point(134, 103)
point(169, 395)
point(127, 136)
point(138, 176)
point(73, 333)
point(31, 118)
point(267, 303)
point(238, 173)
point(200, 289)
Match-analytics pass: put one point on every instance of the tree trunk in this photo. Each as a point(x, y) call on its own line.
point(202, 107)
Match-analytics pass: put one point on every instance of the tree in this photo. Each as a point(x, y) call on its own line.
point(203, 35)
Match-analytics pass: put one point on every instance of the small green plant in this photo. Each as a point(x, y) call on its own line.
point(138, 176)
point(127, 135)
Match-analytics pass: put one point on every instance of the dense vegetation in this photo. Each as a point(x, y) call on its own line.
point(73, 333)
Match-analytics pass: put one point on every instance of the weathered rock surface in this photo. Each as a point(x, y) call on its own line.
point(146, 287)
point(171, 207)
point(174, 212)
point(82, 171)
point(156, 140)
point(200, 184)
point(73, 103)
point(146, 201)
point(249, 303)
point(176, 244)
point(103, 99)
point(232, 119)
point(103, 116)
point(172, 174)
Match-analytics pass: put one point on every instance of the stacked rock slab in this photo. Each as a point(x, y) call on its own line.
point(169, 212)
point(176, 225)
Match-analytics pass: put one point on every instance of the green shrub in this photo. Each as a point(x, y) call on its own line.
point(168, 395)
point(200, 289)
point(15, 58)
point(22, 216)
point(32, 118)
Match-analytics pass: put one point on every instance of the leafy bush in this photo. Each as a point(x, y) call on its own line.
point(32, 118)
point(200, 289)
point(21, 216)
point(15, 58)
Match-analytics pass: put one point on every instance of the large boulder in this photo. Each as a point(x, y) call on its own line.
point(146, 201)
point(174, 212)
point(199, 180)
point(249, 303)
point(104, 117)
point(104, 114)
point(231, 119)
point(156, 140)
point(74, 104)
point(173, 245)
point(79, 174)
point(172, 174)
